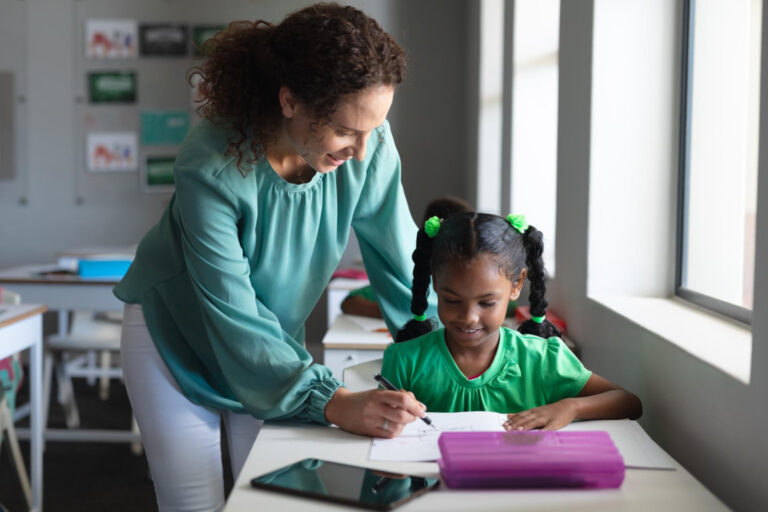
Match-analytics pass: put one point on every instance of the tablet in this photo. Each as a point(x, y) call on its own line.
point(343, 483)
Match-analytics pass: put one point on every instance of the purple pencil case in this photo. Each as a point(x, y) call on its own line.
point(530, 459)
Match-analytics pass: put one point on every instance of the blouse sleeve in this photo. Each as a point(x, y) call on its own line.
point(563, 374)
point(269, 372)
point(387, 235)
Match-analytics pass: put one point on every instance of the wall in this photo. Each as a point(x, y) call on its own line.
point(710, 422)
point(431, 138)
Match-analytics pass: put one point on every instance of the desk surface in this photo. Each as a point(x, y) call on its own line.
point(32, 274)
point(353, 332)
point(61, 292)
point(282, 444)
point(10, 314)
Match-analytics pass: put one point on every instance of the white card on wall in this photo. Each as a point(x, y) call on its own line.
point(111, 39)
point(111, 151)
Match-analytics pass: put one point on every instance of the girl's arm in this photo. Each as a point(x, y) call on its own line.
point(598, 399)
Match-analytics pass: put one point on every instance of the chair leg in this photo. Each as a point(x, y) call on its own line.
point(91, 357)
point(136, 447)
point(6, 425)
point(106, 364)
point(67, 394)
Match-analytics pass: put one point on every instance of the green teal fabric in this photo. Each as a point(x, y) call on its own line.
point(236, 264)
point(365, 292)
point(526, 372)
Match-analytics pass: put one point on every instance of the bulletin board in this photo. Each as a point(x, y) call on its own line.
point(133, 104)
point(13, 101)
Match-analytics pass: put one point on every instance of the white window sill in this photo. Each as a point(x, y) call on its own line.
point(720, 342)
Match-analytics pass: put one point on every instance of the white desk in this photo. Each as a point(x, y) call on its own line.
point(64, 293)
point(21, 328)
point(61, 292)
point(347, 343)
point(279, 445)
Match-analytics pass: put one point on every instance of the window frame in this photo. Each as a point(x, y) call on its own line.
point(708, 302)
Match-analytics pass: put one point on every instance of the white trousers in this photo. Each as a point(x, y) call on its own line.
point(181, 439)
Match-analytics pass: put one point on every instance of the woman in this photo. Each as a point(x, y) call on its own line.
point(293, 151)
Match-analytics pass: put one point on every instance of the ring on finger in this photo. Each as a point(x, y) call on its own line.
point(385, 425)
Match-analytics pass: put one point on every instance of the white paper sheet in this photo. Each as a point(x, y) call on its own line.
point(635, 445)
point(418, 441)
point(369, 324)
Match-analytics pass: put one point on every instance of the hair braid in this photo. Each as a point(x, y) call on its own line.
point(420, 289)
point(537, 275)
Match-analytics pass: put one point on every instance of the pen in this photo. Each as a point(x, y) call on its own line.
point(384, 382)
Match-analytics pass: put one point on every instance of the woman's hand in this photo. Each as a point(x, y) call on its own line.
point(547, 417)
point(378, 413)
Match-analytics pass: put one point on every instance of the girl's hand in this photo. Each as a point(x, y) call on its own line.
point(377, 412)
point(547, 417)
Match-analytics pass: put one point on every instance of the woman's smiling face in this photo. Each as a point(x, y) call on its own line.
point(325, 145)
point(472, 299)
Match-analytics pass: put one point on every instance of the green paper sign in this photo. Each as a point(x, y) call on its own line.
point(164, 127)
point(160, 170)
point(200, 34)
point(112, 87)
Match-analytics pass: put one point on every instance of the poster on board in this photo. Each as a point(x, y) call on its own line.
point(111, 87)
point(111, 151)
point(158, 174)
point(111, 39)
point(164, 127)
point(163, 40)
point(200, 34)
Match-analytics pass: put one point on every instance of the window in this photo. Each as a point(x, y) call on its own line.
point(718, 156)
point(533, 181)
point(490, 114)
point(517, 137)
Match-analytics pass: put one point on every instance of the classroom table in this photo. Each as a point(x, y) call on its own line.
point(352, 339)
point(62, 293)
point(21, 328)
point(280, 444)
point(65, 293)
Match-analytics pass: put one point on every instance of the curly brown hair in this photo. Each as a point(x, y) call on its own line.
point(321, 53)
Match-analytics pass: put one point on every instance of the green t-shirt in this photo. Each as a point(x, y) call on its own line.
point(365, 292)
point(526, 372)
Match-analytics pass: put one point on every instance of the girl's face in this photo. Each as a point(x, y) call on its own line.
point(472, 299)
point(324, 146)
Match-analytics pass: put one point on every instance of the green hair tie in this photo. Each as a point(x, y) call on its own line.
point(518, 222)
point(420, 317)
point(432, 226)
point(538, 319)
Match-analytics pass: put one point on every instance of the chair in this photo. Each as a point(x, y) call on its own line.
point(11, 373)
point(68, 355)
point(359, 377)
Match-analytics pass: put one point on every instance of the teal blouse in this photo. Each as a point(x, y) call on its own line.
point(236, 264)
point(526, 372)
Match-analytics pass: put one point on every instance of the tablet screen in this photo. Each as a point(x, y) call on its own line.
point(343, 483)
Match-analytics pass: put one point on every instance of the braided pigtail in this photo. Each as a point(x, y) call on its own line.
point(420, 324)
point(533, 241)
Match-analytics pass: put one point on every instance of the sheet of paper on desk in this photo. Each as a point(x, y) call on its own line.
point(418, 441)
point(368, 324)
point(635, 445)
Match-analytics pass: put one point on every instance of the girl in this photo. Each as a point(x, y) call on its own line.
point(478, 262)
